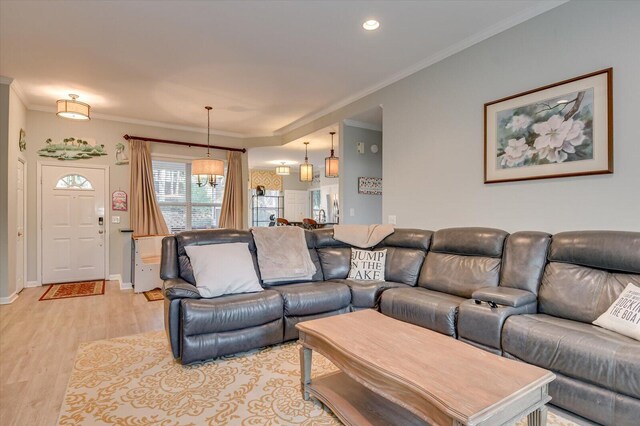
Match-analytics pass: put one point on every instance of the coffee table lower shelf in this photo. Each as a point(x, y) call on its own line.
point(355, 405)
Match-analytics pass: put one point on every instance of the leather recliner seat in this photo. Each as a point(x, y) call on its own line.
point(460, 261)
point(598, 371)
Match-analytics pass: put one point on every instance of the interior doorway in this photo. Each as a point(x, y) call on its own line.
point(74, 228)
point(21, 220)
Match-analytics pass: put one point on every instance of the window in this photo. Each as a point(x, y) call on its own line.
point(183, 203)
point(74, 182)
point(316, 204)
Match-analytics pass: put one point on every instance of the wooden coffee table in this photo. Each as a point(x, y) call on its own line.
point(395, 373)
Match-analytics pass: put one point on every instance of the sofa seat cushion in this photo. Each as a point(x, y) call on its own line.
point(366, 294)
point(426, 308)
point(313, 297)
point(577, 350)
point(232, 312)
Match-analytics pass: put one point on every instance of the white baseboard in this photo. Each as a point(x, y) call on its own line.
point(31, 284)
point(9, 299)
point(118, 277)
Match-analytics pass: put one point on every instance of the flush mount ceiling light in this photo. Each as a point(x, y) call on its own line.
point(331, 163)
point(207, 169)
point(306, 169)
point(371, 25)
point(283, 170)
point(70, 108)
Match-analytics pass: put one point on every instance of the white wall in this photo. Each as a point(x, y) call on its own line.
point(367, 208)
point(433, 127)
point(44, 125)
point(13, 118)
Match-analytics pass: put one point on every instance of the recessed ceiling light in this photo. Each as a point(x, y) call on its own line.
point(371, 25)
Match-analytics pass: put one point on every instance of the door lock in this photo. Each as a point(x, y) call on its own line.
point(100, 221)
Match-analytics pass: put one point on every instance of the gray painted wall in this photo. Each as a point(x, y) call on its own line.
point(367, 208)
point(433, 127)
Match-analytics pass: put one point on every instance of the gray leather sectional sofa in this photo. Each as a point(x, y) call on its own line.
point(528, 295)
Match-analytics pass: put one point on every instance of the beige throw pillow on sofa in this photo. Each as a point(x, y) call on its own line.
point(623, 316)
point(367, 265)
point(221, 269)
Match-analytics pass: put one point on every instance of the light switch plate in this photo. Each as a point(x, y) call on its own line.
point(392, 219)
point(115, 219)
point(352, 211)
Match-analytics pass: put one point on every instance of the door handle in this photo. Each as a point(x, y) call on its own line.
point(101, 232)
point(19, 234)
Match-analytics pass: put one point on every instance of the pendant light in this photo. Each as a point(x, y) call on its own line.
point(331, 163)
point(75, 110)
point(283, 170)
point(306, 169)
point(207, 169)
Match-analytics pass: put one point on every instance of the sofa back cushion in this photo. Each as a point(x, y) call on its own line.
point(210, 236)
point(587, 271)
point(524, 260)
point(462, 260)
point(334, 255)
point(406, 250)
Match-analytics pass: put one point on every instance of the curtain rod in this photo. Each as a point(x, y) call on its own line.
point(140, 138)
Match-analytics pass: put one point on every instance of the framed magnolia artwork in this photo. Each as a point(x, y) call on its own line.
point(564, 129)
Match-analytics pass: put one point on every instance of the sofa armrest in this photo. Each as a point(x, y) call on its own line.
point(177, 288)
point(481, 324)
point(504, 296)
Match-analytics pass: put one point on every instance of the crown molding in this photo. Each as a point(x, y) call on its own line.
point(476, 38)
point(147, 123)
point(6, 80)
point(362, 125)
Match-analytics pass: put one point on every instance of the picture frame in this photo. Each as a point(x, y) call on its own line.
point(559, 130)
point(370, 185)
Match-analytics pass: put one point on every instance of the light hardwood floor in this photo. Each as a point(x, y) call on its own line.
point(38, 343)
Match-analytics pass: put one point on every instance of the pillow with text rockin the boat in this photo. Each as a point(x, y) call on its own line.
point(367, 265)
point(623, 316)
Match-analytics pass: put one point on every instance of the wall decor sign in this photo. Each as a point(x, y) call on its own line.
point(119, 201)
point(22, 142)
point(121, 155)
point(370, 185)
point(72, 149)
point(563, 129)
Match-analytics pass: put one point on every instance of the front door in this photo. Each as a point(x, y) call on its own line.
point(73, 224)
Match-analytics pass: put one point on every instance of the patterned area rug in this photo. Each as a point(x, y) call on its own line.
point(135, 381)
point(78, 289)
point(154, 295)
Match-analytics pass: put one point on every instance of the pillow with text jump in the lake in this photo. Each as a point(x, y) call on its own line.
point(367, 265)
point(623, 316)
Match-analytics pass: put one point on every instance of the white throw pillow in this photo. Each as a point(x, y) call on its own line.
point(223, 269)
point(367, 265)
point(623, 316)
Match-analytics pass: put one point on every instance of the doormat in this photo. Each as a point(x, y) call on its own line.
point(77, 289)
point(154, 295)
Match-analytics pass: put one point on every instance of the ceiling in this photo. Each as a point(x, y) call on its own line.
point(262, 65)
point(292, 153)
